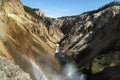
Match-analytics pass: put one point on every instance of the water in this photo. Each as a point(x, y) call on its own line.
point(68, 66)
point(57, 48)
point(70, 70)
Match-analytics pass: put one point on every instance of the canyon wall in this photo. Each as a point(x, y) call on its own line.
point(26, 40)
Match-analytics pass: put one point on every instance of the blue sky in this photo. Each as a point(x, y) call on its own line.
point(58, 8)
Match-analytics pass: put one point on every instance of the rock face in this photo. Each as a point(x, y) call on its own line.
point(90, 33)
point(26, 40)
point(9, 71)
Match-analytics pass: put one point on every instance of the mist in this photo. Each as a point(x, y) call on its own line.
point(71, 72)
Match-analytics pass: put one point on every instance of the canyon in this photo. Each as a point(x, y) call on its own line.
point(91, 40)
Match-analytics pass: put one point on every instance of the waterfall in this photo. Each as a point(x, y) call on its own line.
point(68, 66)
point(57, 48)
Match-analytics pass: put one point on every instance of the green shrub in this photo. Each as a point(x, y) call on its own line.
point(96, 68)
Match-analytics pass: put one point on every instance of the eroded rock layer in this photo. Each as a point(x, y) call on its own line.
point(25, 40)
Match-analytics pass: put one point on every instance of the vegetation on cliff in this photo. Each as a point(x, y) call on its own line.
point(32, 12)
point(42, 18)
point(114, 3)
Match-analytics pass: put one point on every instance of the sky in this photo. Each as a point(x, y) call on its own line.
point(59, 8)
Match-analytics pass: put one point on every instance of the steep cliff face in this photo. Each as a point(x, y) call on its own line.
point(25, 40)
point(91, 32)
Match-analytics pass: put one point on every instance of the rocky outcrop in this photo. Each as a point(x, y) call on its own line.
point(38, 12)
point(9, 71)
